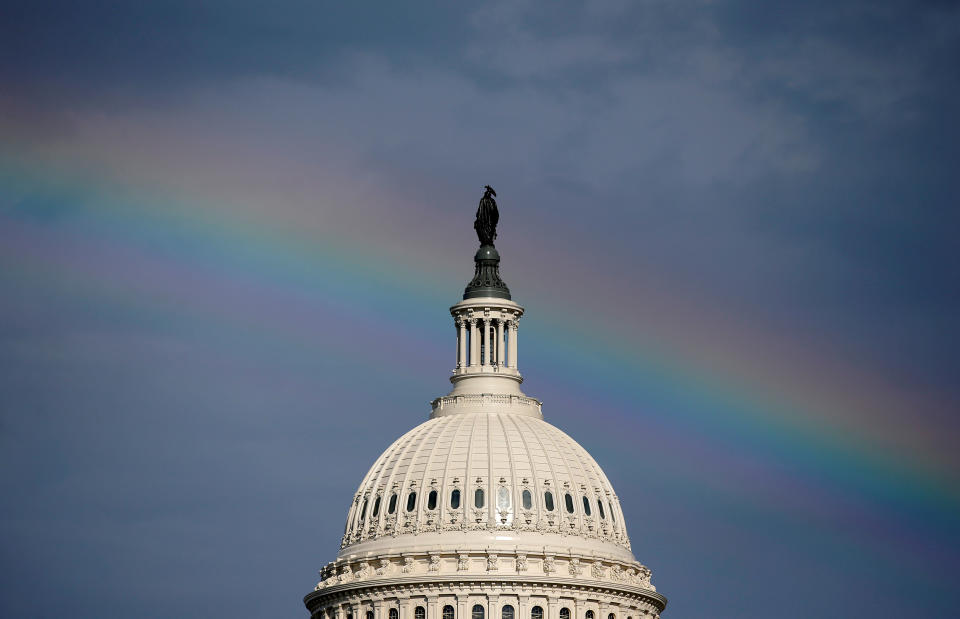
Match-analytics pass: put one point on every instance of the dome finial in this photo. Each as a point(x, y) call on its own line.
point(486, 280)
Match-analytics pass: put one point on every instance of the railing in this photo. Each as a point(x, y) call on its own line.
point(484, 399)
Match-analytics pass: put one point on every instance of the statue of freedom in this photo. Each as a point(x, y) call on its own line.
point(487, 217)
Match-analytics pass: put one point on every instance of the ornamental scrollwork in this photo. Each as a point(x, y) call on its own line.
point(363, 571)
point(597, 570)
point(549, 564)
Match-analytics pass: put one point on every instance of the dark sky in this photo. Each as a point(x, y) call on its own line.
point(230, 233)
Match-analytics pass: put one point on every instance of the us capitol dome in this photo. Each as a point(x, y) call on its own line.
point(485, 510)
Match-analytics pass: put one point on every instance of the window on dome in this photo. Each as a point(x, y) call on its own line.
point(455, 500)
point(448, 610)
point(589, 614)
point(411, 501)
point(503, 498)
point(432, 500)
point(548, 500)
point(369, 614)
point(419, 613)
point(611, 616)
point(394, 613)
point(536, 612)
point(477, 608)
point(392, 507)
point(613, 513)
point(527, 499)
point(586, 506)
point(478, 498)
point(568, 501)
point(363, 511)
point(376, 508)
point(564, 613)
point(600, 507)
point(507, 612)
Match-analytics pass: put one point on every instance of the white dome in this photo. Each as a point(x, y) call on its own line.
point(484, 476)
point(485, 509)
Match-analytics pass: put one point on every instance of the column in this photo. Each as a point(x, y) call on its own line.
point(486, 342)
point(474, 347)
point(461, 343)
point(513, 344)
point(501, 359)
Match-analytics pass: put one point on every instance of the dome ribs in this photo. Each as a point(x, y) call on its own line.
point(525, 451)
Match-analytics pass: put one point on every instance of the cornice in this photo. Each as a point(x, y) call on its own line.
point(475, 580)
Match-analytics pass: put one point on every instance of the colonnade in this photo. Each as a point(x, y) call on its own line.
point(579, 607)
point(486, 342)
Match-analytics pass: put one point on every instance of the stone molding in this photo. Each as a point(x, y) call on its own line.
point(625, 599)
point(523, 563)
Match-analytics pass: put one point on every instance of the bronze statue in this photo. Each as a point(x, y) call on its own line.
point(487, 217)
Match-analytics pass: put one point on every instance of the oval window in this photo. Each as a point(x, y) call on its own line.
point(477, 609)
point(568, 501)
point(506, 612)
point(432, 500)
point(527, 499)
point(369, 614)
point(536, 612)
point(589, 614)
point(564, 613)
point(394, 613)
point(478, 498)
point(411, 501)
point(455, 500)
point(392, 507)
point(548, 501)
point(613, 514)
point(363, 510)
point(586, 506)
point(600, 507)
point(376, 507)
point(503, 498)
point(448, 610)
point(419, 613)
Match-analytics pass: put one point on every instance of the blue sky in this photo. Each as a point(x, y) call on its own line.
point(229, 233)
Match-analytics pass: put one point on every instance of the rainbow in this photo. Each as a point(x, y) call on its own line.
point(144, 232)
